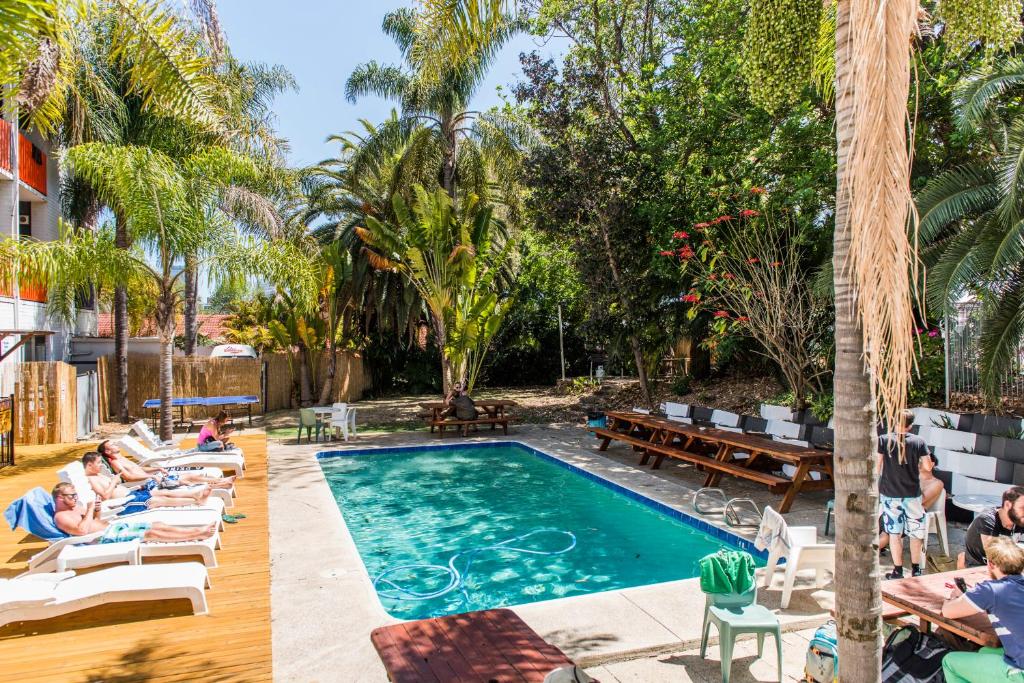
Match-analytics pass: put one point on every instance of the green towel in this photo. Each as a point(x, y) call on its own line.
point(727, 571)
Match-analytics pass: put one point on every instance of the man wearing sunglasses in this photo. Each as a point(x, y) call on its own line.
point(76, 519)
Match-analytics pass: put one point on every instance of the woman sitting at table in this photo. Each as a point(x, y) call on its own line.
point(1003, 599)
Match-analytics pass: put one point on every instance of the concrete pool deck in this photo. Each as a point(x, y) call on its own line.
point(324, 606)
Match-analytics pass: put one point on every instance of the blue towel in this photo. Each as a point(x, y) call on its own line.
point(34, 512)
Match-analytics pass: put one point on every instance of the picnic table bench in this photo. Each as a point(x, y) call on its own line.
point(923, 596)
point(658, 438)
point(493, 413)
point(492, 645)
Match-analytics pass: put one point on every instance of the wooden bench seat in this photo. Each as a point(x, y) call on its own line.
point(770, 480)
point(465, 424)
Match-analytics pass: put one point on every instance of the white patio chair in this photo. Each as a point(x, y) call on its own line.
point(800, 548)
point(935, 523)
point(44, 596)
point(224, 460)
point(343, 417)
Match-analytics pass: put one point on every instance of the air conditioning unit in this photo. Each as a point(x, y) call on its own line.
point(24, 220)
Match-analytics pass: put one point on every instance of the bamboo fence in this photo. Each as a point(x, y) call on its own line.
point(46, 403)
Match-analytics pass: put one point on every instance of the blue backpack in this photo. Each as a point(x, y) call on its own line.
point(823, 655)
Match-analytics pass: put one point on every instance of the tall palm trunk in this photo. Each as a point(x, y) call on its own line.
point(191, 323)
point(122, 240)
point(857, 580)
point(305, 379)
point(441, 337)
point(450, 161)
point(165, 323)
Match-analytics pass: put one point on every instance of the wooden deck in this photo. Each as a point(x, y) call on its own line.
point(151, 641)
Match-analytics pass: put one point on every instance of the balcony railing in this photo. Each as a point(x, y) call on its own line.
point(5, 145)
point(31, 159)
point(30, 291)
point(32, 165)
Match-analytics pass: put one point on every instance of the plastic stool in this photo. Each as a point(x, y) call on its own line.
point(734, 620)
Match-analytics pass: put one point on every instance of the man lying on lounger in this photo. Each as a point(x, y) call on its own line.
point(133, 472)
point(76, 519)
point(107, 487)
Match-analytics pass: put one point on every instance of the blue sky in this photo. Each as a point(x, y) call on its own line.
point(320, 42)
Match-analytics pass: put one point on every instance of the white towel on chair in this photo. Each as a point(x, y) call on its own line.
point(773, 534)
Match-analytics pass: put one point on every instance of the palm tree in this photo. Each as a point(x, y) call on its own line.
point(458, 259)
point(470, 148)
point(166, 205)
point(971, 221)
point(871, 259)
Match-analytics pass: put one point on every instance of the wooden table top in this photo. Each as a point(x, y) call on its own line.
point(492, 645)
point(497, 403)
point(923, 596)
point(754, 442)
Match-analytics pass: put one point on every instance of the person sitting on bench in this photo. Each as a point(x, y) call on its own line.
point(1003, 599)
point(214, 434)
point(463, 407)
point(107, 487)
point(133, 472)
point(1005, 520)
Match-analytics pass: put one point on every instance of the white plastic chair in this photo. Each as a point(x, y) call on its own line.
point(343, 417)
point(935, 522)
point(150, 438)
point(45, 596)
point(804, 553)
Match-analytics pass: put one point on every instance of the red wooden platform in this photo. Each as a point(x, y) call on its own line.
point(490, 646)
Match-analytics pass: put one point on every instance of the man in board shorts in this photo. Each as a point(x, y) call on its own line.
point(899, 487)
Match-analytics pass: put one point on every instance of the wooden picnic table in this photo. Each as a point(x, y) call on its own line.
point(658, 438)
point(494, 408)
point(923, 596)
point(492, 645)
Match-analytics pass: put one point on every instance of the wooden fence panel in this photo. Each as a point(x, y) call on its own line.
point(46, 403)
point(225, 377)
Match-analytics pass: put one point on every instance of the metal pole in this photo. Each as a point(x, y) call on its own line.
point(945, 354)
point(561, 342)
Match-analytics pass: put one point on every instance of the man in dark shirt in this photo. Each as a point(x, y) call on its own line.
point(899, 487)
point(1006, 520)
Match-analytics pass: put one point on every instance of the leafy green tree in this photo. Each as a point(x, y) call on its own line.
point(163, 202)
point(458, 260)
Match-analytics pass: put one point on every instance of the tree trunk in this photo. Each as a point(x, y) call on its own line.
point(627, 308)
point(441, 338)
point(857, 580)
point(122, 240)
point(327, 390)
point(305, 383)
point(165, 323)
point(191, 306)
point(450, 157)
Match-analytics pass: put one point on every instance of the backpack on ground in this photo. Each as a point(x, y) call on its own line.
point(823, 655)
point(910, 656)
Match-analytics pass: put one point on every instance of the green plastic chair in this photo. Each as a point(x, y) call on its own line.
point(734, 614)
point(308, 419)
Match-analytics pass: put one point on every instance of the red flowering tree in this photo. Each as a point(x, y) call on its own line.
point(748, 276)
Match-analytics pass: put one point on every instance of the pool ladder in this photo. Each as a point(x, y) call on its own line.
point(711, 500)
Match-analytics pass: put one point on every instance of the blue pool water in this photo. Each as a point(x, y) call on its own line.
point(450, 529)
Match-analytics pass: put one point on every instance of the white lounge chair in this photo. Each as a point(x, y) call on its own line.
point(74, 473)
point(46, 560)
point(935, 523)
point(150, 439)
point(225, 460)
point(800, 548)
point(44, 596)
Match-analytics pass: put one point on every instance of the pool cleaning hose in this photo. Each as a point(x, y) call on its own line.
point(386, 588)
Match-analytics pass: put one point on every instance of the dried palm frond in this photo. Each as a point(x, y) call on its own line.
point(40, 75)
point(877, 186)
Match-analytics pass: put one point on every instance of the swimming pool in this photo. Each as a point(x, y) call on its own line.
point(451, 529)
